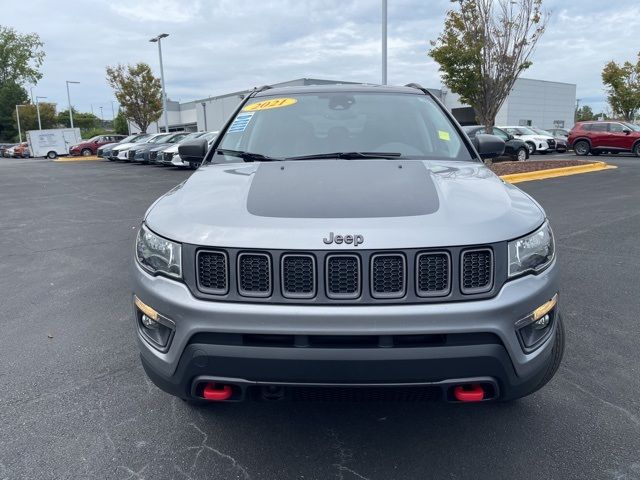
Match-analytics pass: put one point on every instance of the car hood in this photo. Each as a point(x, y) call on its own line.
point(391, 203)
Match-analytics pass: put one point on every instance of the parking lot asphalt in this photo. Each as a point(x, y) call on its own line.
point(75, 402)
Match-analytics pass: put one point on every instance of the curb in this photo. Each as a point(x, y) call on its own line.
point(91, 158)
point(556, 172)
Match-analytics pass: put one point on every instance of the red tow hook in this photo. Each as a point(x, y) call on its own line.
point(469, 393)
point(215, 393)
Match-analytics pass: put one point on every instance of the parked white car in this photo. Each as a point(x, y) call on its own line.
point(535, 141)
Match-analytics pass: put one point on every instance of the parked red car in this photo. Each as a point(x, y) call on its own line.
point(90, 147)
point(608, 136)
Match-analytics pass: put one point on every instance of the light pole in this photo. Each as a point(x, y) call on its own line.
point(69, 98)
point(18, 119)
point(204, 111)
point(38, 110)
point(101, 117)
point(384, 42)
point(158, 40)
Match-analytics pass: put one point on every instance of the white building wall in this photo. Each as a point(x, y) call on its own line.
point(535, 102)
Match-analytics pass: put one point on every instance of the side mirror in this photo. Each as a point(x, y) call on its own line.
point(193, 150)
point(488, 146)
point(510, 137)
point(626, 131)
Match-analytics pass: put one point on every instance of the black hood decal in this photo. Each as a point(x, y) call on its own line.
point(342, 189)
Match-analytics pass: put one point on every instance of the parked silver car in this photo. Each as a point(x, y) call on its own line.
point(321, 246)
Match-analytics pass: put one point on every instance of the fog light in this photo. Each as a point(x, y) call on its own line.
point(157, 329)
point(149, 322)
point(533, 329)
point(542, 323)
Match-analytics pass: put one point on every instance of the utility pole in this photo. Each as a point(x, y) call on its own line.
point(69, 99)
point(158, 40)
point(384, 42)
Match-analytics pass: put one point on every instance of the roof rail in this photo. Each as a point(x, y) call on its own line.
point(417, 86)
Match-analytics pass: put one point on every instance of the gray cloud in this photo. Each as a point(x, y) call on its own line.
point(221, 46)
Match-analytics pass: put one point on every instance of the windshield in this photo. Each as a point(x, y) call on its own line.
point(539, 131)
point(301, 125)
point(635, 128)
point(519, 131)
point(142, 138)
point(159, 138)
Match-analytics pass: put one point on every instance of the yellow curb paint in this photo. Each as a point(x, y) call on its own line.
point(556, 172)
point(77, 159)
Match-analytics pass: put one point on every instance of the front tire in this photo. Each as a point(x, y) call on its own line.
point(522, 154)
point(52, 155)
point(86, 152)
point(636, 149)
point(531, 147)
point(581, 147)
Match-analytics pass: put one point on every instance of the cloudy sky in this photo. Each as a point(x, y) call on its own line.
point(219, 46)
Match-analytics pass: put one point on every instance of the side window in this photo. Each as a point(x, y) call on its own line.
point(499, 133)
point(598, 127)
point(587, 127)
point(615, 128)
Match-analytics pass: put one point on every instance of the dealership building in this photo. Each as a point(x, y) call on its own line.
point(540, 103)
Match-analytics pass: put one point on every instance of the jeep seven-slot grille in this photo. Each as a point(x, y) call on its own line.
point(477, 270)
point(412, 276)
point(433, 274)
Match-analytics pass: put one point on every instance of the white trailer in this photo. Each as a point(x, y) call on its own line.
point(53, 142)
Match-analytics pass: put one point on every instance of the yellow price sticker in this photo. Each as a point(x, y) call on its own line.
point(268, 104)
point(444, 135)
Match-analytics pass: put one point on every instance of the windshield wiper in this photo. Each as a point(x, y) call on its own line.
point(247, 156)
point(348, 155)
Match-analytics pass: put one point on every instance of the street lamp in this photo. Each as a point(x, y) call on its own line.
point(18, 119)
point(101, 117)
point(38, 110)
point(164, 93)
point(384, 42)
point(69, 98)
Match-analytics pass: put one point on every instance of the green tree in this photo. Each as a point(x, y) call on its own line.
point(623, 87)
point(138, 91)
point(120, 124)
point(485, 46)
point(29, 116)
point(584, 113)
point(11, 94)
point(21, 56)
point(83, 120)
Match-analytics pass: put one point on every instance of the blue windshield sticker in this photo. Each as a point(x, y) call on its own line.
point(240, 123)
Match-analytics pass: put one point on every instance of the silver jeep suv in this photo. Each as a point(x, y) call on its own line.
point(346, 240)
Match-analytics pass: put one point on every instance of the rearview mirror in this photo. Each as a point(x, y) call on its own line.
point(488, 146)
point(193, 150)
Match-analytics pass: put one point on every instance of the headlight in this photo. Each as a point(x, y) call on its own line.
point(157, 254)
point(532, 253)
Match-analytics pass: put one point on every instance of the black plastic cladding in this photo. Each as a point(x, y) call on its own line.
point(276, 296)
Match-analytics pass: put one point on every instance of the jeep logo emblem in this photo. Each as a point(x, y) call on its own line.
point(354, 240)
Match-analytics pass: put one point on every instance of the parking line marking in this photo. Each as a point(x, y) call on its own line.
point(556, 172)
point(77, 159)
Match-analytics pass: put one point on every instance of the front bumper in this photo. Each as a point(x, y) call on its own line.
point(491, 349)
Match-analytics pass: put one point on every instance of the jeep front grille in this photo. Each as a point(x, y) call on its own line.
point(298, 276)
point(477, 270)
point(388, 272)
point(343, 276)
point(254, 274)
point(348, 277)
point(213, 272)
point(433, 271)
